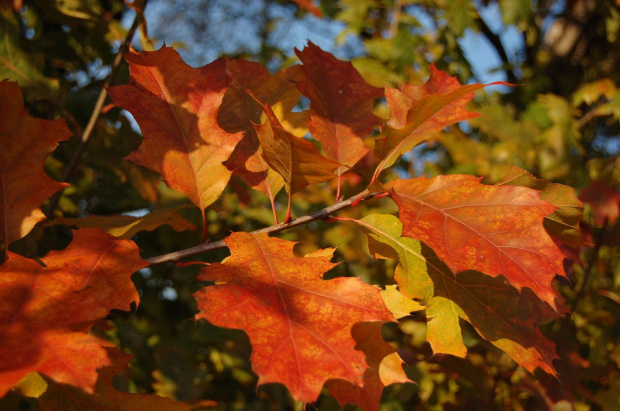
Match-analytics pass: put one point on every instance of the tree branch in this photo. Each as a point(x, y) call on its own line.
point(499, 47)
point(85, 136)
point(319, 215)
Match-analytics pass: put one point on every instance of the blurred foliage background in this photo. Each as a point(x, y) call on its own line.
point(561, 122)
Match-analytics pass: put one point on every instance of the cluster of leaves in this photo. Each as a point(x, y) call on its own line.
point(475, 262)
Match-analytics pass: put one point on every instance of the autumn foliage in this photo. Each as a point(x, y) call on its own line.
point(465, 252)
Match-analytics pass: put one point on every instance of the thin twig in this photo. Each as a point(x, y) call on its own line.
point(499, 47)
point(205, 247)
point(85, 137)
point(395, 20)
point(598, 242)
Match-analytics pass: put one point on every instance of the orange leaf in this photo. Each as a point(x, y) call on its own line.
point(417, 112)
point(295, 159)
point(492, 229)
point(176, 107)
point(105, 396)
point(563, 224)
point(47, 311)
point(341, 105)
point(26, 143)
point(385, 368)
point(299, 325)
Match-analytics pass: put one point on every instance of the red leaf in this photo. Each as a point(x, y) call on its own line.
point(341, 105)
point(492, 229)
point(26, 143)
point(298, 324)
point(417, 112)
point(239, 112)
point(48, 311)
point(176, 107)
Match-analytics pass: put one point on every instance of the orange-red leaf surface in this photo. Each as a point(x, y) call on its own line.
point(385, 367)
point(341, 105)
point(492, 229)
point(563, 224)
point(105, 397)
point(47, 311)
point(176, 107)
point(502, 315)
point(417, 112)
point(295, 159)
point(299, 324)
point(25, 143)
point(239, 112)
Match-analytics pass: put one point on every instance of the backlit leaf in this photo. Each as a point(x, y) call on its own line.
point(47, 311)
point(341, 105)
point(176, 107)
point(295, 159)
point(492, 229)
point(563, 223)
point(498, 311)
point(417, 112)
point(240, 111)
point(26, 143)
point(299, 325)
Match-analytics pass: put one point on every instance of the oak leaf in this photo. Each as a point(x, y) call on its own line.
point(341, 104)
point(299, 325)
point(240, 111)
point(417, 112)
point(502, 315)
point(295, 159)
point(563, 223)
point(47, 311)
point(176, 107)
point(492, 229)
point(105, 396)
point(385, 367)
point(26, 143)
